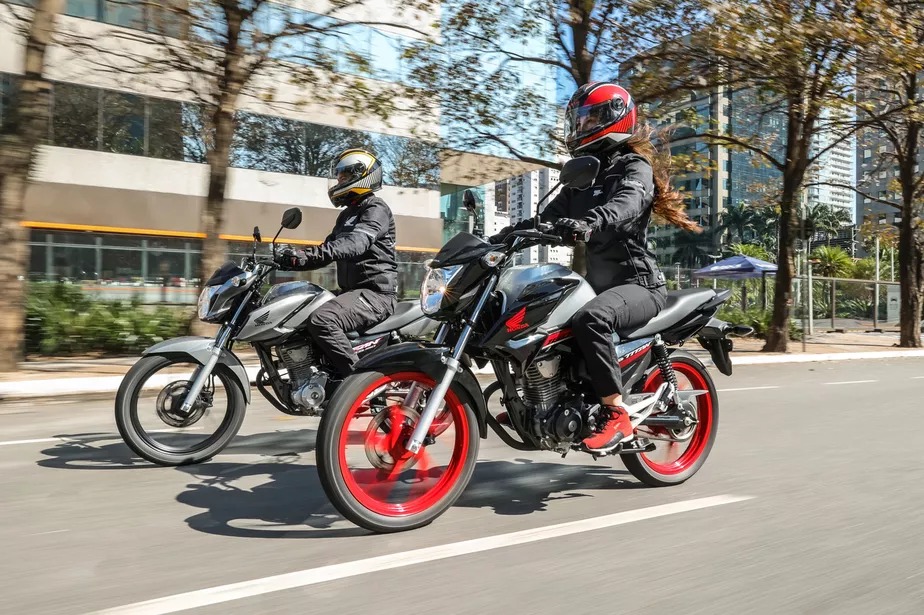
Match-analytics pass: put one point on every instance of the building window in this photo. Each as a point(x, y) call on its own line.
point(76, 116)
point(165, 129)
point(87, 9)
point(126, 13)
point(122, 123)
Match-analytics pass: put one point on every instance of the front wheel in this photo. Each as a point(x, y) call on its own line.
point(157, 428)
point(367, 473)
point(678, 455)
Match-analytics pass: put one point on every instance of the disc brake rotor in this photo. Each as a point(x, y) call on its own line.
point(378, 452)
point(170, 404)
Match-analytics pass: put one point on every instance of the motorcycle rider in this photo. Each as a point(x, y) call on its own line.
point(362, 243)
point(613, 216)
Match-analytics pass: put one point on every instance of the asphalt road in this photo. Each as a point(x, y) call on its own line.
point(830, 459)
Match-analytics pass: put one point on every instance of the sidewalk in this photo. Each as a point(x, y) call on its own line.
point(101, 377)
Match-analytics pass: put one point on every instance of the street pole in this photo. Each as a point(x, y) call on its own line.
point(876, 291)
point(811, 315)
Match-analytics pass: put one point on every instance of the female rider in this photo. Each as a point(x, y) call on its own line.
point(613, 215)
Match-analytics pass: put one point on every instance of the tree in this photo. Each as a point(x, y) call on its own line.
point(832, 263)
point(738, 219)
point(222, 52)
point(18, 141)
point(891, 107)
point(511, 67)
point(691, 248)
point(797, 60)
point(823, 219)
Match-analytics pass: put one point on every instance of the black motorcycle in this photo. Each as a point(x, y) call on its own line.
point(399, 440)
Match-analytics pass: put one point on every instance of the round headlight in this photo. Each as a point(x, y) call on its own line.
point(433, 288)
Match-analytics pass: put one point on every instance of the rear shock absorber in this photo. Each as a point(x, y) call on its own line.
point(664, 362)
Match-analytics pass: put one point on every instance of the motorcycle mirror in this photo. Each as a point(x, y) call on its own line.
point(292, 218)
point(256, 234)
point(579, 172)
point(469, 201)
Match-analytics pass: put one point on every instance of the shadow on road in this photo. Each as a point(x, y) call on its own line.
point(106, 451)
point(240, 501)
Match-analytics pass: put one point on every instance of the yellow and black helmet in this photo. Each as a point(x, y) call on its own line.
point(354, 174)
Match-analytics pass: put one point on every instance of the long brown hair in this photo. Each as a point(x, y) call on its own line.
point(668, 203)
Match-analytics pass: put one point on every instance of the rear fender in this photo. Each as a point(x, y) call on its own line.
point(199, 349)
point(714, 338)
point(427, 358)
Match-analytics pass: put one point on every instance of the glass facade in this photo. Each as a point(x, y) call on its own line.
point(161, 269)
point(122, 123)
point(752, 179)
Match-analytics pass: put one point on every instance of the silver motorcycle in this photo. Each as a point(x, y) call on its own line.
point(197, 389)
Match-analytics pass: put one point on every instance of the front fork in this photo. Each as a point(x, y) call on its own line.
point(436, 398)
point(221, 340)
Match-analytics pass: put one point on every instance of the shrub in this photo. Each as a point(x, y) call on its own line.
point(60, 319)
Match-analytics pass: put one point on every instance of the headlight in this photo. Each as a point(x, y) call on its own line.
point(433, 288)
point(205, 300)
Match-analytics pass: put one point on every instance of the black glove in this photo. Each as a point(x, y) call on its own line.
point(572, 231)
point(289, 258)
point(497, 239)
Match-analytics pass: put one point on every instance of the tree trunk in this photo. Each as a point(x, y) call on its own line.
point(833, 302)
point(911, 277)
point(778, 331)
point(744, 295)
point(17, 150)
point(214, 249)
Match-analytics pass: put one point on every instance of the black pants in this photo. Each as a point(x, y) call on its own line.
point(353, 310)
point(620, 307)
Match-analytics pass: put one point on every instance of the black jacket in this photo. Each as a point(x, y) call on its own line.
point(363, 246)
point(618, 208)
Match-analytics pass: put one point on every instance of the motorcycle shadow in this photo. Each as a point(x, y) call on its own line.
point(291, 503)
point(107, 451)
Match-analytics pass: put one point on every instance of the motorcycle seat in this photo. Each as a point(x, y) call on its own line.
point(680, 303)
point(406, 312)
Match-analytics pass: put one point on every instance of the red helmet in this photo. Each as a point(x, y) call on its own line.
point(598, 117)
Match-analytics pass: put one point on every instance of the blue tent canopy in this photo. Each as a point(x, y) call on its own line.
point(736, 268)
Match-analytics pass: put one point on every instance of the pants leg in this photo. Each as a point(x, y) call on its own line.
point(593, 325)
point(353, 310)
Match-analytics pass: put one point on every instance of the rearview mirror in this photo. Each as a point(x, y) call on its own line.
point(580, 172)
point(469, 201)
point(292, 218)
point(256, 234)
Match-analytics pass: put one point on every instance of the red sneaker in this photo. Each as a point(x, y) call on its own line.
point(616, 428)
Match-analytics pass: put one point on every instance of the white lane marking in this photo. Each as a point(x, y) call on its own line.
point(852, 382)
point(917, 377)
point(36, 441)
point(51, 532)
point(747, 389)
point(313, 576)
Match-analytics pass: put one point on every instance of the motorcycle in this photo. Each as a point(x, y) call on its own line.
point(399, 441)
point(202, 381)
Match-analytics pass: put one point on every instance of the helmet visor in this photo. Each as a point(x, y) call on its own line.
point(583, 122)
point(345, 171)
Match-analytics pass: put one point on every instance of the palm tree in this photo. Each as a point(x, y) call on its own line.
point(832, 263)
point(822, 218)
point(737, 219)
point(691, 248)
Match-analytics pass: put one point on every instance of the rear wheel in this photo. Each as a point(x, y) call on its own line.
point(364, 467)
point(678, 454)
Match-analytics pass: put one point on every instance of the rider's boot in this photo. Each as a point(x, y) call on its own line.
point(617, 429)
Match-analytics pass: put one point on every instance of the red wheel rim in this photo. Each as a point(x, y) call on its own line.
point(407, 484)
point(676, 457)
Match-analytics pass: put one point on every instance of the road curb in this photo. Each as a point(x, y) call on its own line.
point(101, 387)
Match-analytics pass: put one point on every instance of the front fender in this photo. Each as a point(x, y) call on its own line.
point(426, 358)
point(199, 349)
